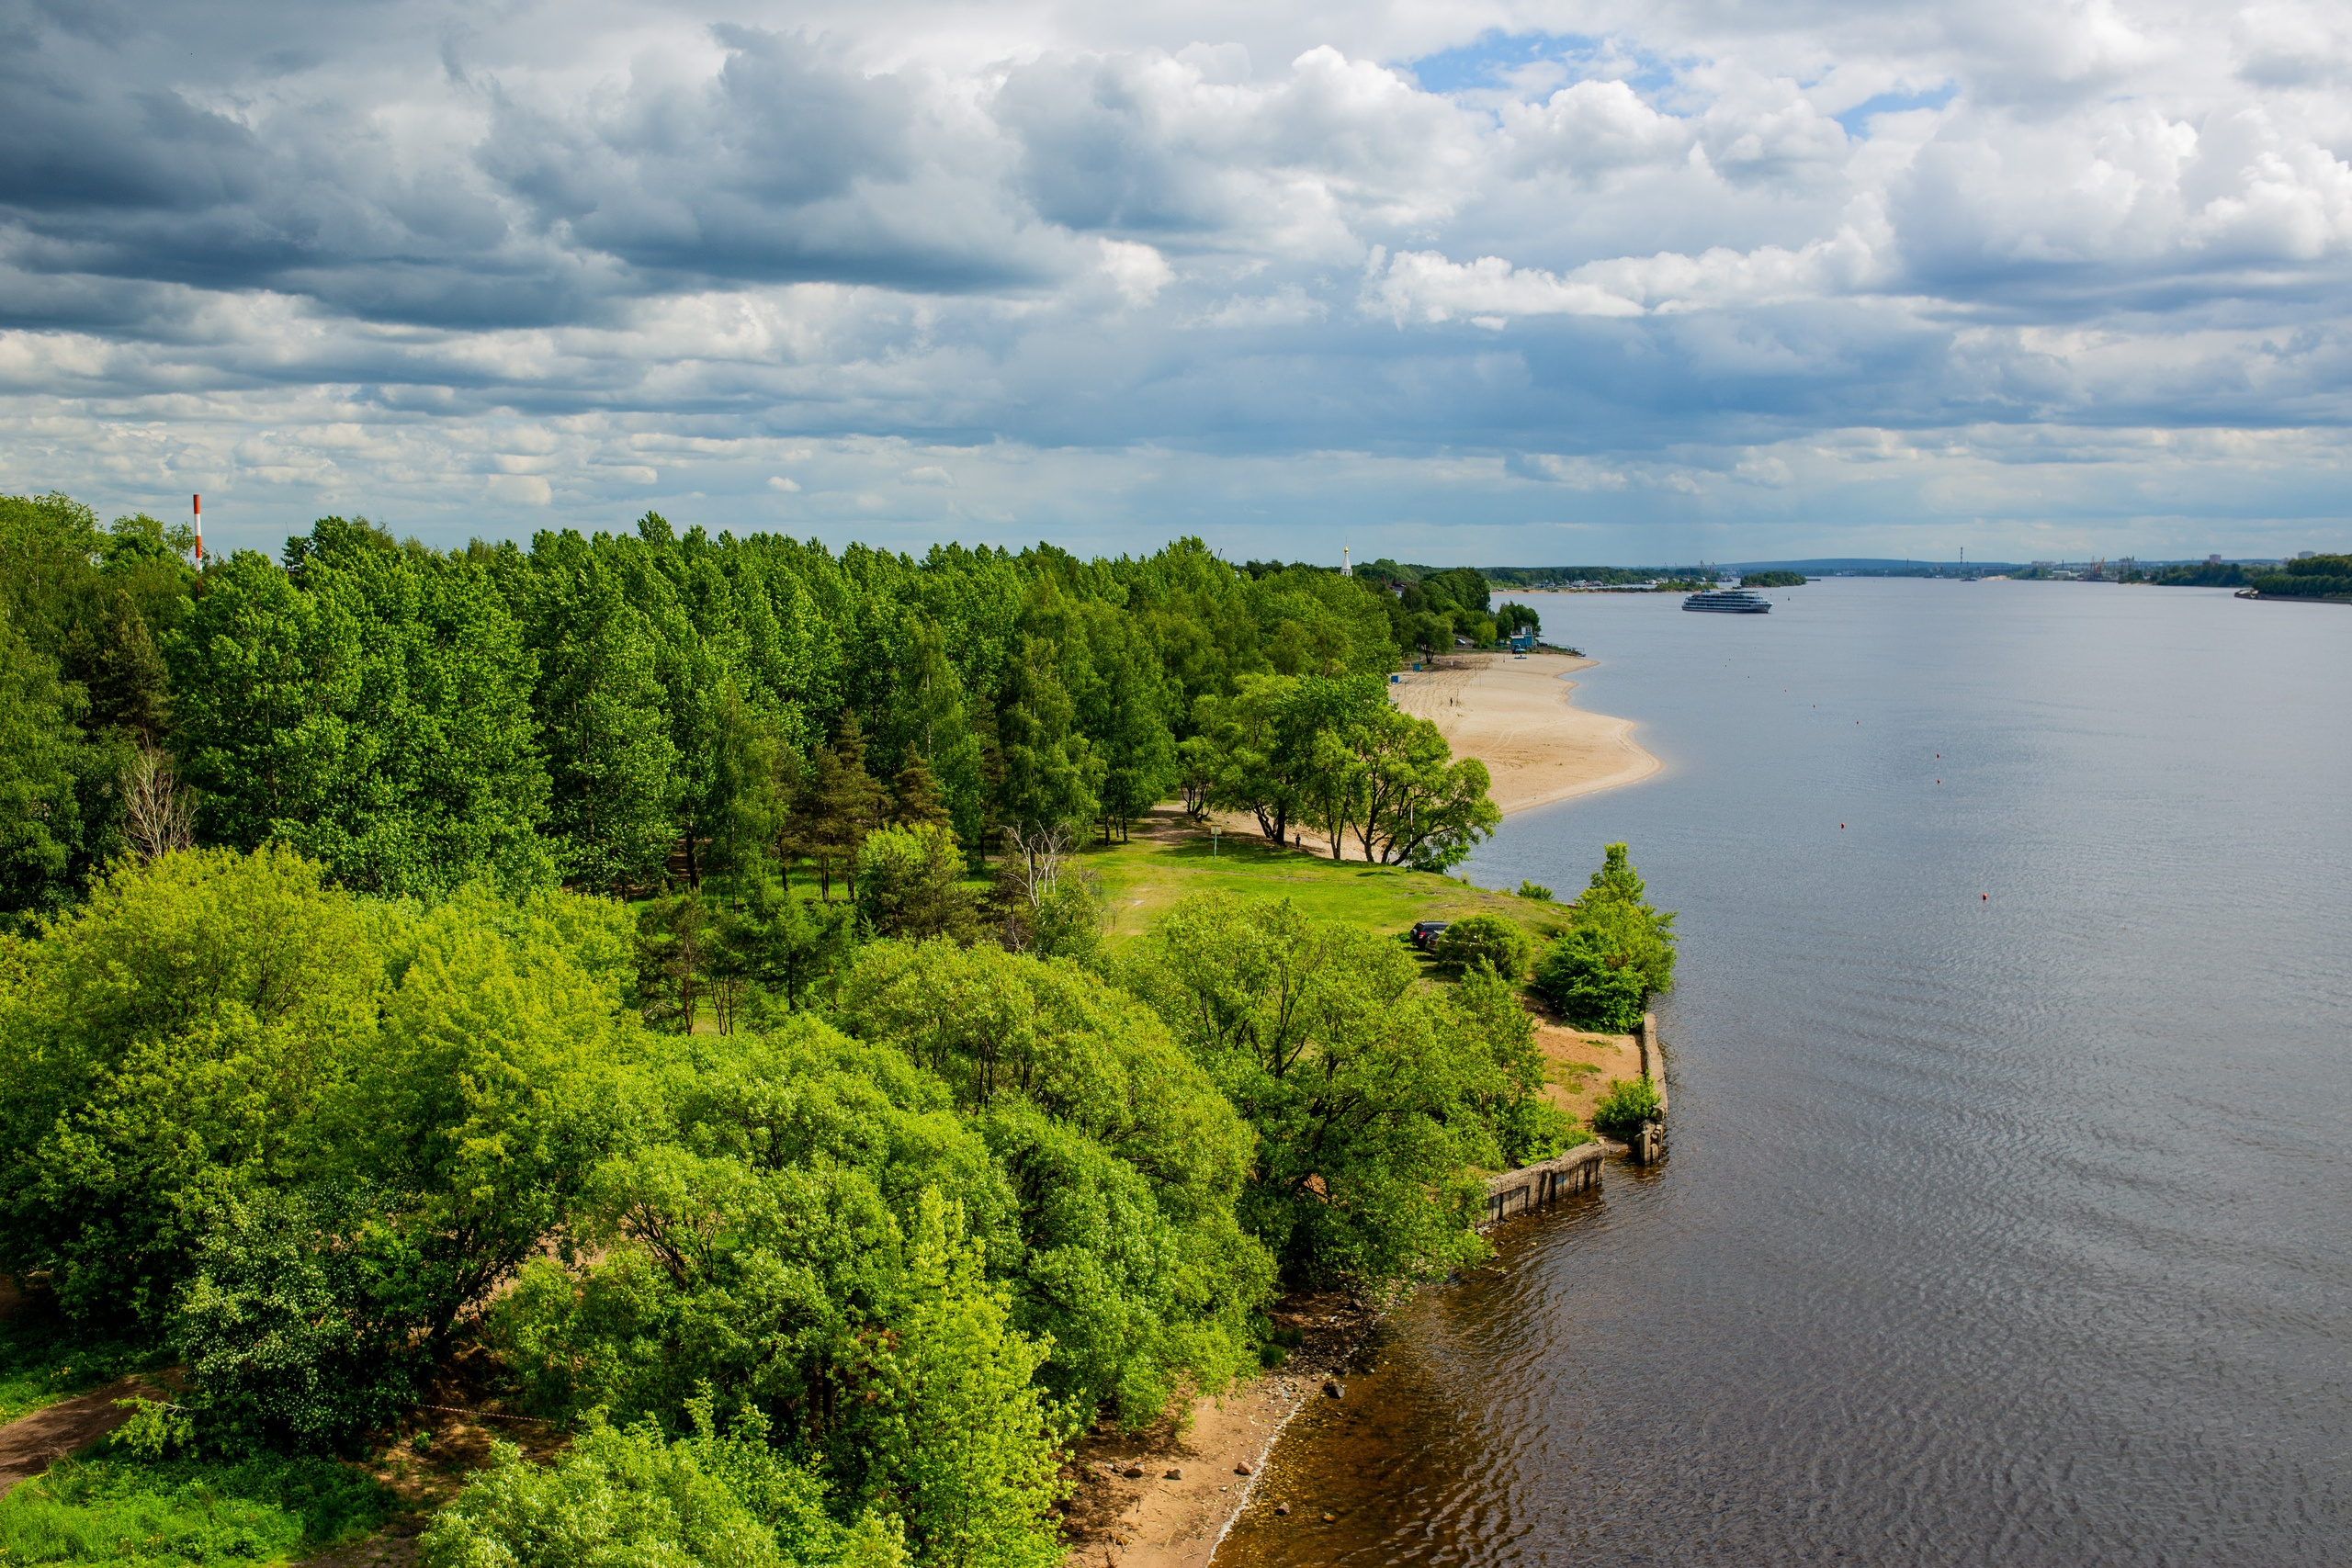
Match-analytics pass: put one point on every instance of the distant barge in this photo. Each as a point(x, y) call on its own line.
point(1730, 602)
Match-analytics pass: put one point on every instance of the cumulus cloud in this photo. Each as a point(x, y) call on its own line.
point(1139, 271)
point(922, 267)
point(1427, 287)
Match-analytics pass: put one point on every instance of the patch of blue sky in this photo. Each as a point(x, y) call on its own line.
point(1497, 61)
point(1856, 119)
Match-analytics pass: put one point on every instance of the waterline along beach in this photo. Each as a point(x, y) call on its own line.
point(1518, 715)
point(1515, 716)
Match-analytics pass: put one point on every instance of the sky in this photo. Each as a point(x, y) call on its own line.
point(1493, 282)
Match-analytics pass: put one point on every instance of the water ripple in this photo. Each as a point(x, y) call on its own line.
point(2010, 1230)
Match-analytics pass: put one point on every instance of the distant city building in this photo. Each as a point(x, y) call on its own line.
point(2303, 555)
point(2212, 560)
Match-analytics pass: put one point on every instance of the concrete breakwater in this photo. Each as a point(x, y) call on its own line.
point(1648, 1146)
point(1547, 1181)
point(1578, 1170)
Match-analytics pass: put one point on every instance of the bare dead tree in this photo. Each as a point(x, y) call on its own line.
point(1034, 857)
point(159, 815)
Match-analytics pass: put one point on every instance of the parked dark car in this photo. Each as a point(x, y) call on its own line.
point(1425, 933)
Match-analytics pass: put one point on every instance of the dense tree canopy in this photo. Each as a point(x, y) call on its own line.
point(617, 711)
point(571, 955)
point(1372, 1098)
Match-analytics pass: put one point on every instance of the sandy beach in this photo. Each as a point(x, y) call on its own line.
point(1517, 717)
point(1162, 1498)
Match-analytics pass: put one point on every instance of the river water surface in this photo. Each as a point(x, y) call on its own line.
point(2009, 1216)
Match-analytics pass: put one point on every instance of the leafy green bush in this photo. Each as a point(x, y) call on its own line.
point(187, 1513)
point(186, 1021)
point(1499, 944)
point(1612, 911)
point(1123, 1158)
point(1628, 1104)
point(632, 1497)
point(1629, 938)
point(1534, 890)
point(1069, 922)
point(1600, 974)
point(1489, 1020)
point(283, 1339)
point(780, 1203)
point(1371, 1095)
point(922, 1400)
point(1589, 986)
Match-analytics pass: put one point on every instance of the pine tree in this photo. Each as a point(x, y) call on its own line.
point(839, 804)
point(917, 797)
point(807, 835)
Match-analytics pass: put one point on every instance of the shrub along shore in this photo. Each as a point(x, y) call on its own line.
point(710, 998)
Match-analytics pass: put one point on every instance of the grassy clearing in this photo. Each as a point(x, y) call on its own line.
point(1169, 859)
point(41, 1365)
point(188, 1513)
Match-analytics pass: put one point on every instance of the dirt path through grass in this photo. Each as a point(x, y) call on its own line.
point(29, 1444)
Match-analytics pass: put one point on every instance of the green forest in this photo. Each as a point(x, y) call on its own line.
point(2313, 577)
point(614, 712)
point(646, 984)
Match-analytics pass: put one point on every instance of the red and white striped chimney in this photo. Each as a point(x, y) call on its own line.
point(199, 530)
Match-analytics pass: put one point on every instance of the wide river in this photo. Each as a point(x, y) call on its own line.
point(2009, 1214)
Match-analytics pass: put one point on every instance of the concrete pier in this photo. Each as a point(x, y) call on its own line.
point(1548, 1181)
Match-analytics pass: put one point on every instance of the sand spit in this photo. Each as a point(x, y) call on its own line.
point(1517, 717)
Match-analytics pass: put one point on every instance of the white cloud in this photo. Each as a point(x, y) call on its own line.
point(1425, 286)
point(1138, 271)
point(479, 275)
point(1592, 128)
point(519, 489)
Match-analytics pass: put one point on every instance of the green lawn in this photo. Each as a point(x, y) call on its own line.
point(188, 1513)
point(1143, 876)
point(1169, 857)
